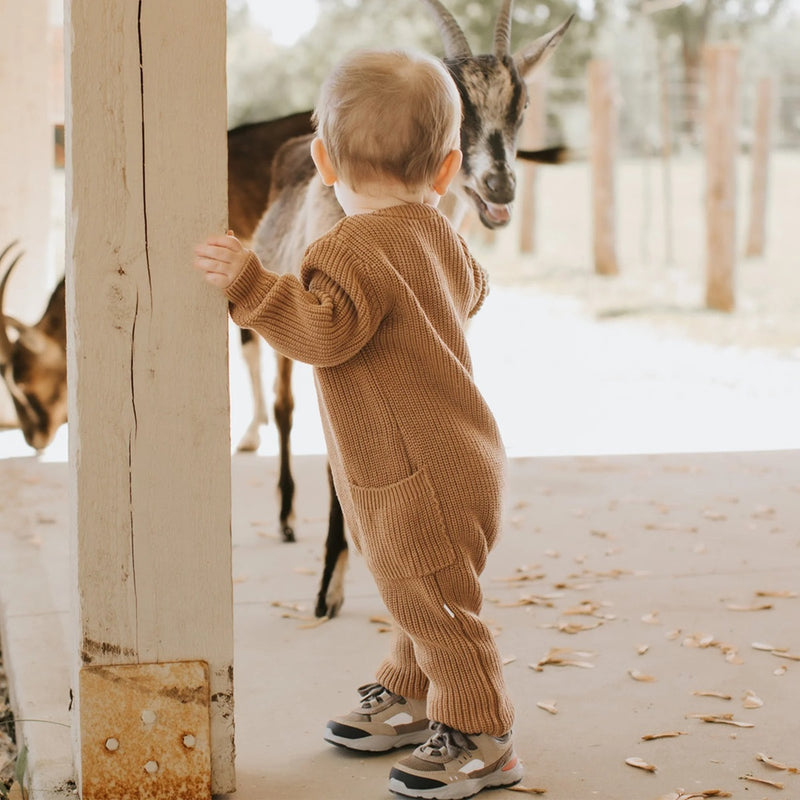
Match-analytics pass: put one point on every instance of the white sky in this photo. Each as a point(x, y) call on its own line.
point(287, 20)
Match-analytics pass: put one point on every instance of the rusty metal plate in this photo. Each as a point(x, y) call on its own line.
point(145, 732)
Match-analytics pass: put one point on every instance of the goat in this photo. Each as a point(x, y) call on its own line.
point(301, 208)
point(34, 365)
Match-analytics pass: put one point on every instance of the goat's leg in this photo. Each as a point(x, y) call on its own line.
point(331, 589)
point(284, 406)
point(251, 352)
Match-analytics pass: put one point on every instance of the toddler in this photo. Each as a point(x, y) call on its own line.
point(379, 310)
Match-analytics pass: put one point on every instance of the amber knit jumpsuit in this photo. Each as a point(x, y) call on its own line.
point(379, 311)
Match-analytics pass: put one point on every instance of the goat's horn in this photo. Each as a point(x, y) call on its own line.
point(455, 43)
point(5, 342)
point(3, 254)
point(502, 30)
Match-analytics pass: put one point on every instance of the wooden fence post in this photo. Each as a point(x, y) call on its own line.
point(148, 400)
point(721, 142)
point(533, 134)
point(756, 232)
point(26, 142)
point(603, 112)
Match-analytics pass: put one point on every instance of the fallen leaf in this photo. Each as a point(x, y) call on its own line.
point(651, 737)
point(509, 660)
point(525, 789)
point(783, 654)
point(771, 762)
point(762, 646)
point(673, 634)
point(781, 670)
point(574, 627)
point(752, 700)
point(651, 618)
point(550, 707)
point(784, 593)
point(720, 695)
point(714, 516)
point(754, 607)
point(764, 781)
point(681, 794)
point(640, 763)
point(721, 719)
point(564, 657)
point(530, 600)
point(641, 676)
point(315, 623)
point(642, 649)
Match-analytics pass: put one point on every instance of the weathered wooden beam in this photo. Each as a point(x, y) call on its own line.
point(147, 348)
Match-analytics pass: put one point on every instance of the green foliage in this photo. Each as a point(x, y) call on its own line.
point(266, 80)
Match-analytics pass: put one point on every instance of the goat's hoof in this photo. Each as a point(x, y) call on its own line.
point(327, 608)
point(248, 445)
point(287, 531)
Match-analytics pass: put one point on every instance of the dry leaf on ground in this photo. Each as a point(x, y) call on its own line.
point(786, 593)
point(651, 737)
point(771, 762)
point(721, 719)
point(763, 781)
point(683, 795)
point(526, 789)
point(752, 700)
point(720, 695)
point(549, 707)
point(753, 607)
point(564, 657)
point(640, 763)
point(641, 676)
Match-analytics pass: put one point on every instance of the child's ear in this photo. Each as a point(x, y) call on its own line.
point(322, 162)
point(448, 171)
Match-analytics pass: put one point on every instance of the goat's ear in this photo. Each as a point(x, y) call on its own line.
point(537, 52)
point(322, 162)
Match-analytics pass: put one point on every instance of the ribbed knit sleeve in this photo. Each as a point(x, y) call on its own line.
point(481, 283)
point(323, 318)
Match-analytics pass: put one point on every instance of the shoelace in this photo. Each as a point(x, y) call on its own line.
point(446, 740)
point(372, 694)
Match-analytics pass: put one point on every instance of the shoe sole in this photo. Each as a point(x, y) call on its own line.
point(377, 744)
point(461, 789)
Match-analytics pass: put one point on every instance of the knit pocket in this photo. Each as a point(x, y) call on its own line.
point(403, 529)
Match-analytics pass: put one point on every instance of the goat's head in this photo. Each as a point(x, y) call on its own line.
point(494, 97)
point(33, 363)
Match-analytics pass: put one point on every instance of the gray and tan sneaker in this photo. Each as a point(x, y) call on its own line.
point(452, 765)
point(383, 720)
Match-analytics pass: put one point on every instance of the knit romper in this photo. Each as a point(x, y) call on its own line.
point(418, 464)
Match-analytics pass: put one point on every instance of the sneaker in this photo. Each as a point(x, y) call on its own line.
point(384, 720)
point(453, 765)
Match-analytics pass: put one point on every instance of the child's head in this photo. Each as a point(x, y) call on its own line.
point(388, 115)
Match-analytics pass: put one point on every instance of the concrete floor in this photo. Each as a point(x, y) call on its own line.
point(668, 553)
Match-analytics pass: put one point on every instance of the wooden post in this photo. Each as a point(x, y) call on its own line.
point(533, 134)
point(148, 400)
point(603, 113)
point(756, 231)
point(26, 144)
point(721, 129)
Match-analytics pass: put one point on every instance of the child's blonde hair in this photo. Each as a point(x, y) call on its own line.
point(392, 113)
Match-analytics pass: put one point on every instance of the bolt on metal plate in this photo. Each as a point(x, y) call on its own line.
point(145, 731)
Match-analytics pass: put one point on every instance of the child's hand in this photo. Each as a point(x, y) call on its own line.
point(221, 258)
